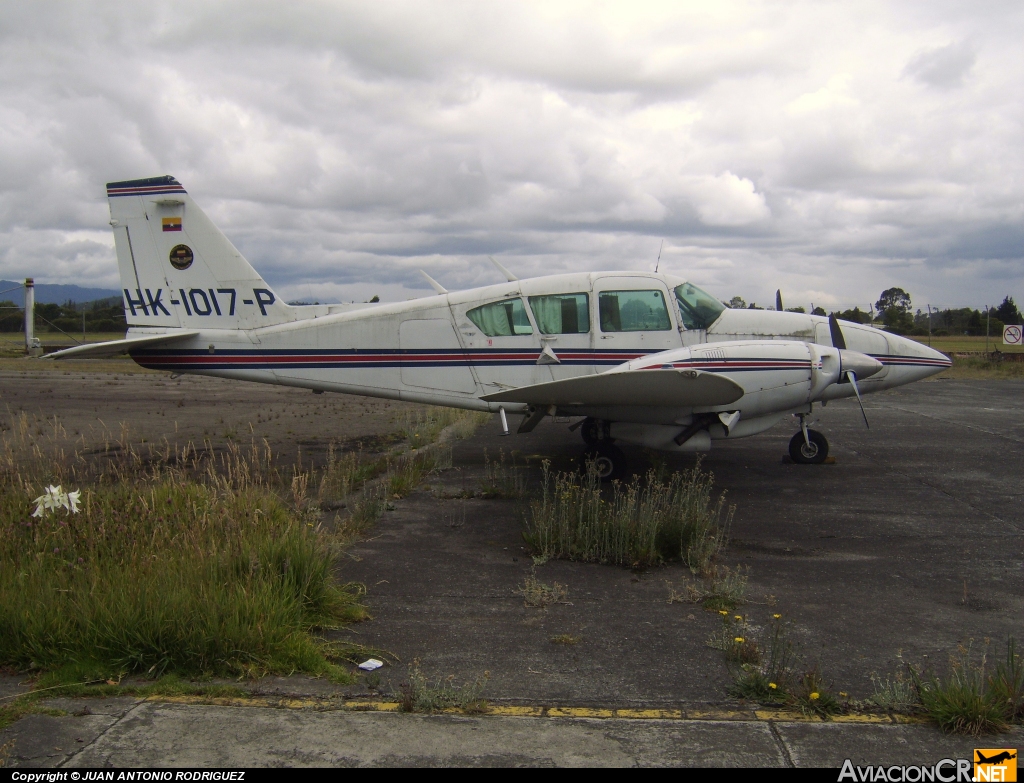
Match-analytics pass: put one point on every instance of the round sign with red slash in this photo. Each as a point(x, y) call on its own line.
point(1012, 335)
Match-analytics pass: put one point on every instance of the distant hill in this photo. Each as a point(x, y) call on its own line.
point(48, 293)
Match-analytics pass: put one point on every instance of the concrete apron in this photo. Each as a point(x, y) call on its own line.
point(195, 732)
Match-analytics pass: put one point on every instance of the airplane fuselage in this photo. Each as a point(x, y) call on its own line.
point(430, 350)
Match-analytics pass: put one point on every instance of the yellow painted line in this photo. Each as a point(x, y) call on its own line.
point(650, 714)
point(520, 711)
point(909, 719)
point(516, 712)
point(720, 715)
point(579, 712)
point(370, 706)
point(784, 716)
point(861, 719)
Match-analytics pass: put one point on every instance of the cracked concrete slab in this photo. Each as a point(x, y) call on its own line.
point(157, 734)
point(829, 744)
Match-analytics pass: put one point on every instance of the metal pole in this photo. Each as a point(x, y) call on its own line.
point(83, 323)
point(30, 314)
point(988, 325)
point(929, 326)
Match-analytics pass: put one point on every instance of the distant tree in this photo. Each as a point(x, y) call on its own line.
point(374, 299)
point(893, 298)
point(1007, 312)
point(797, 309)
point(753, 306)
point(818, 311)
point(737, 303)
point(855, 315)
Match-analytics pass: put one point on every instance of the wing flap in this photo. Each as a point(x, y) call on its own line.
point(669, 388)
point(117, 347)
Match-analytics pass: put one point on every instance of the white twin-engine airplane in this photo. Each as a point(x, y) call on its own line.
point(643, 358)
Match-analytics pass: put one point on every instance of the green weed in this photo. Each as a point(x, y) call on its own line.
point(501, 479)
point(813, 695)
point(897, 693)
point(970, 700)
point(642, 523)
point(769, 678)
point(422, 695)
point(538, 595)
point(723, 589)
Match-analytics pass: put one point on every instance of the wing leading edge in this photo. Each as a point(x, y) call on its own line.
point(669, 388)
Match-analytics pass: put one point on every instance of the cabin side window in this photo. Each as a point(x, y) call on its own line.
point(501, 319)
point(562, 313)
point(697, 309)
point(633, 311)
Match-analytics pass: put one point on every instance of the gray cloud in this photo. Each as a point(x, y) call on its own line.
point(945, 67)
point(342, 146)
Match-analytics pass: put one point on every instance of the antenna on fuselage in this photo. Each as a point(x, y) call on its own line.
point(658, 262)
point(778, 300)
point(434, 284)
point(508, 275)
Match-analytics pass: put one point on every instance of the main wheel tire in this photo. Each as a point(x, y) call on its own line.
point(595, 432)
point(804, 455)
point(608, 460)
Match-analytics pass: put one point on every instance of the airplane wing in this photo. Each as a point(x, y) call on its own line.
point(116, 347)
point(670, 388)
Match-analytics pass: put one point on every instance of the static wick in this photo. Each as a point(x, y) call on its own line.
point(504, 421)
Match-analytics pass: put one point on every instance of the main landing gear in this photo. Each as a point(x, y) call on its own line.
point(808, 447)
point(608, 460)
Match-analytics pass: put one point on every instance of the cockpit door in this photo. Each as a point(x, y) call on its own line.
point(632, 316)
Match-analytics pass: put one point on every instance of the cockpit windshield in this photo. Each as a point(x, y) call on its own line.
point(697, 309)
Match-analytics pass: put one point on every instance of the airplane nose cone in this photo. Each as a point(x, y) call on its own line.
point(860, 364)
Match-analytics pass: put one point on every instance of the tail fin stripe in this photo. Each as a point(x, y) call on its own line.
point(145, 191)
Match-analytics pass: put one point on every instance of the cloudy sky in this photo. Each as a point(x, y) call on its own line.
point(830, 149)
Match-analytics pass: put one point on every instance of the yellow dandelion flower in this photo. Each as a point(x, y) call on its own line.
point(772, 685)
point(737, 616)
point(815, 696)
point(722, 612)
point(777, 616)
point(738, 640)
point(844, 694)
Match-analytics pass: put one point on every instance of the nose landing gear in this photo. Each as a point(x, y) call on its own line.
point(808, 447)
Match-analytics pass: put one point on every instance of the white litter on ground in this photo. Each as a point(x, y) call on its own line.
point(370, 665)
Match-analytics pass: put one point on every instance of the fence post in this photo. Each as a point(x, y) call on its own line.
point(32, 345)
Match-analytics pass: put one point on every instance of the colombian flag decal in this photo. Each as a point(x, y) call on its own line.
point(172, 224)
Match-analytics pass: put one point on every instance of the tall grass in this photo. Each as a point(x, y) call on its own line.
point(645, 522)
point(176, 561)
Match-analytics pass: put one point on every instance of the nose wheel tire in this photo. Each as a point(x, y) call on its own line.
point(608, 460)
point(804, 454)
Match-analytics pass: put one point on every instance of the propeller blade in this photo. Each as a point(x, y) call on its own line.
point(778, 300)
point(853, 382)
point(837, 334)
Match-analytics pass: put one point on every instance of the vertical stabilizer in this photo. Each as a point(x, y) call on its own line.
point(178, 269)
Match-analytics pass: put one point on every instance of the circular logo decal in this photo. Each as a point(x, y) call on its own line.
point(181, 257)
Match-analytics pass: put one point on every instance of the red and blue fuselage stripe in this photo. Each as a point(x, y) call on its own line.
point(264, 359)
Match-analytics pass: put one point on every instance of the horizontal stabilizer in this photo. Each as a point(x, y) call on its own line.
point(117, 347)
point(669, 388)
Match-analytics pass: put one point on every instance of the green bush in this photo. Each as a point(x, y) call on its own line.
point(172, 563)
point(166, 576)
point(638, 524)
